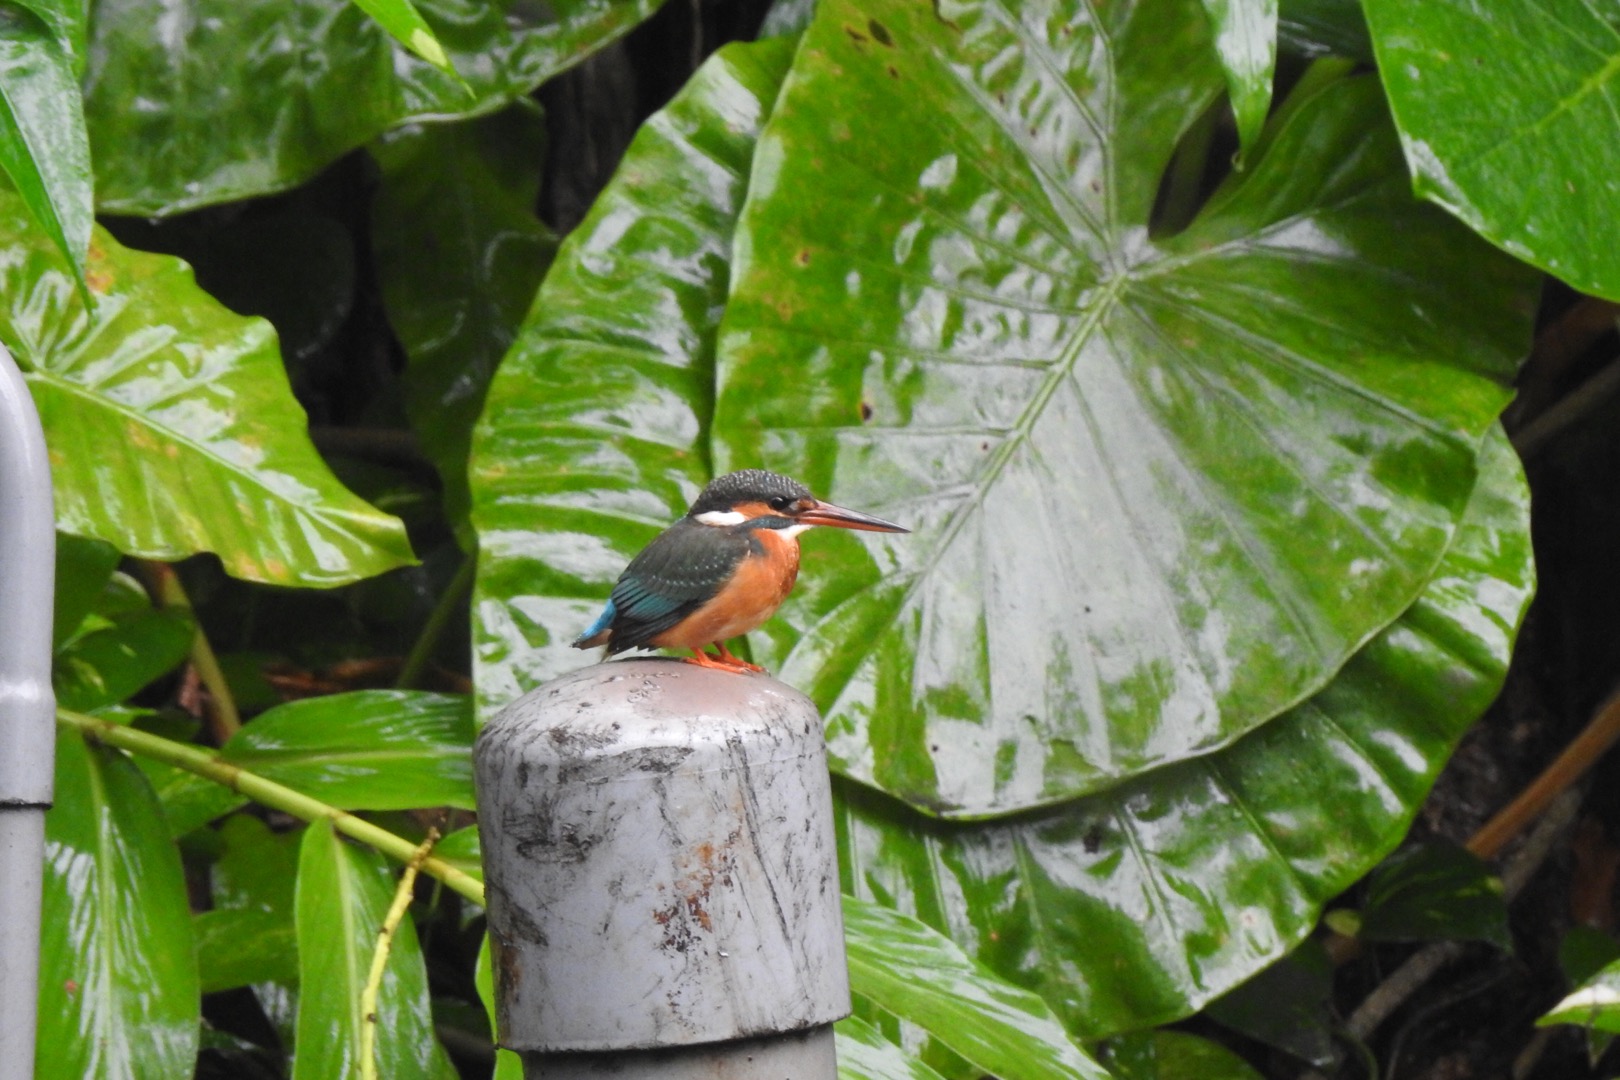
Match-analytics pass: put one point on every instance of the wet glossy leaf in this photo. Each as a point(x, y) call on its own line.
point(82, 569)
point(1246, 43)
point(43, 146)
point(248, 937)
point(1174, 1055)
point(460, 253)
point(508, 1066)
point(1316, 28)
point(1586, 950)
point(1595, 1004)
point(170, 425)
point(1160, 490)
point(1435, 892)
point(912, 971)
point(1289, 1005)
point(591, 439)
point(864, 1054)
point(365, 750)
point(1137, 906)
point(122, 645)
point(251, 96)
point(118, 992)
point(462, 850)
point(1515, 141)
point(402, 20)
point(342, 897)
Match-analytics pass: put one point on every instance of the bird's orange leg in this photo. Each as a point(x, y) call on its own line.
point(726, 657)
point(719, 663)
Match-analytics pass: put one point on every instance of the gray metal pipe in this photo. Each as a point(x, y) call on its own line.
point(662, 876)
point(27, 709)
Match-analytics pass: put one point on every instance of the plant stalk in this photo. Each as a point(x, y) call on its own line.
point(211, 766)
point(224, 720)
point(433, 629)
point(379, 958)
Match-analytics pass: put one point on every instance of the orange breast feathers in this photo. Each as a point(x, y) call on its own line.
point(752, 595)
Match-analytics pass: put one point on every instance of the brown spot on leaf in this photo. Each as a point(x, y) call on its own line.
point(866, 411)
point(802, 257)
point(880, 33)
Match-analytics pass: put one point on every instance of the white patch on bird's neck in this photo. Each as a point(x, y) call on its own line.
point(793, 530)
point(722, 517)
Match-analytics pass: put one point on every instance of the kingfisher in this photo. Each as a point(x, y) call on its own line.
point(720, 571)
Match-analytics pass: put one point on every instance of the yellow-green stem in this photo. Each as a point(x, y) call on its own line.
point(211, 766)
point(226, 720)
point(379, 958)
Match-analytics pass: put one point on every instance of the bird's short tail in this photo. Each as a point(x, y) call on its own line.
point(598, 632)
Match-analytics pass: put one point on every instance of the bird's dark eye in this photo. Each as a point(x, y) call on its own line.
point(782, 502)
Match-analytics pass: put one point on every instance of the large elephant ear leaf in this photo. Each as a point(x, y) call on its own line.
point(592, 436)
point(170, 423)
point(1162, 488)
point(1137, 906)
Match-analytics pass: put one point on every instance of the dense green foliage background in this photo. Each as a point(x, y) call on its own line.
point(1178, 331)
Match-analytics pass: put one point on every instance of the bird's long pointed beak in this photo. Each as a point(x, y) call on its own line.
point(838, 517)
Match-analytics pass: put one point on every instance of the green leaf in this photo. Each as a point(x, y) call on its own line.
point(508, 1066)
point(1506, 136)
point(401, 19)
point(918, 974)
point(120, 647)
point(241, 947)
point(462, 850)
point(1137, 906)
point(1246, 43)
point(43, 145)
point(1435, 892)
point(1314, 28)
point(1594, 1004)
point(1160, 490)
point(1289, 1005)
point(118, 991)
point(249, 936)
point(1586, 950)
point(1174, 1055)
point(864, 1054)
point(249, 97)
point(342, 897)
point(365, 750)
point(591, 438)
point(82, 569)
point(170, 425)
point(459, 255)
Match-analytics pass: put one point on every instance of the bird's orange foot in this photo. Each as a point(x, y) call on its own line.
point(725, 656)
point(719, 663)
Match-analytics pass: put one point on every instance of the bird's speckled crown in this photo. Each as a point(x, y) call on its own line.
point(746, 485)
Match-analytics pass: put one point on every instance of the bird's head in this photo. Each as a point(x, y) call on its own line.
point(754, 493)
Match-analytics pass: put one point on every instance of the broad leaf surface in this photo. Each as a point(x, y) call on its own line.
point(864, 1054)
point(1507, 113)
point(248, 97)
point(43, 145)
point(1435, 892)
point(122, 645)
point(1174, 1055)
point(459, 253)
point(1160, 490)
point(343, 895)
point(82, 570)
point(1595, 1004)
point(1246, 43)
point(118, 991)
point(1137, 906)
point(912, 971)
point(401, 19)
point(249, 936)
point(169, 421)
point(365, 750)
point(592, 436)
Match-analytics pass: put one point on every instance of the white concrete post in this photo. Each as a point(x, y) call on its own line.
point(27, 710)
point(662, 876)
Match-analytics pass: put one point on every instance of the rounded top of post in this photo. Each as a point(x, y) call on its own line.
point(608, 708)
